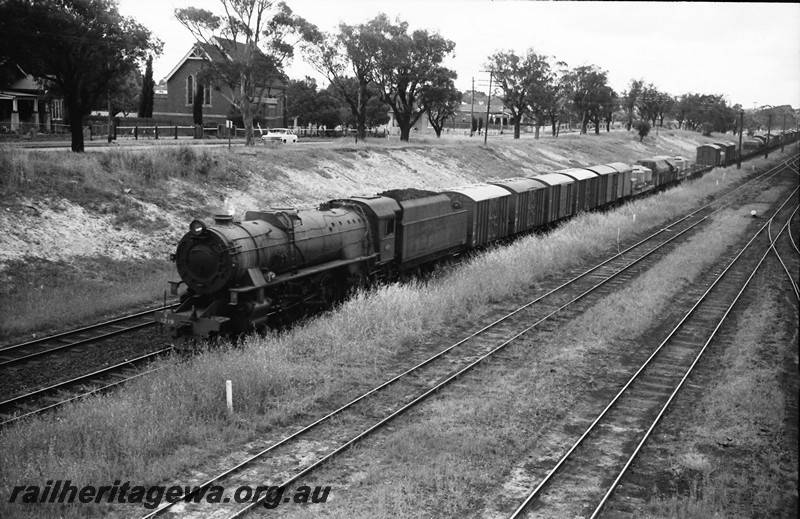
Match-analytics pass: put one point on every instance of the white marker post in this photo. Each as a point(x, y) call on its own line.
point(229, 395)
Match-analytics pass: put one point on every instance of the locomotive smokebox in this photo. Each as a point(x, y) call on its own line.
point(210, 259)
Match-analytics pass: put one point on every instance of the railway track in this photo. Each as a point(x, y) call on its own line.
point(53, 396)
point(603, 453)
point(36, 349)
point(785, 251)
point(288, 460)
point(786, 247)
point(49, 398)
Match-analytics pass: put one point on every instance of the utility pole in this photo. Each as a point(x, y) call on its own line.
point(109, 115)
point(472, 108)
point(769, 128)
point(488, 105)
point(108, 98)
point(741, 128)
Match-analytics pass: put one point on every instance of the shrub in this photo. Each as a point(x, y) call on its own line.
point(643, 127)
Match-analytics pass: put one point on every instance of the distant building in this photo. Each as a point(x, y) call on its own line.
point(174, 104)
point(24, 105)
point(498, 115)
point(497, 112)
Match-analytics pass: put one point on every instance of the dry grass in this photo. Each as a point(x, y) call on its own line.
point(743, 413)
point(151, 430)
point(452, 456)
point(55, 296)
point(28, 170)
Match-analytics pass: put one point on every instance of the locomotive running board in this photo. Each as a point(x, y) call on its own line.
point(283, 278)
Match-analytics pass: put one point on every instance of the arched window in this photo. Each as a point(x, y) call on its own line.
point(189, 89)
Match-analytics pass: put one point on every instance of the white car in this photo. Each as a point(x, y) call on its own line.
point(283, 135)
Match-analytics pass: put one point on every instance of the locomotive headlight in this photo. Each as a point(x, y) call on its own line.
point(197, 227)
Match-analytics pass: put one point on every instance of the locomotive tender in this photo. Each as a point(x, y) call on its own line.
point(276, 265)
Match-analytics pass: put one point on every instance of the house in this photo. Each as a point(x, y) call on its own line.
point(498, 115)
point(175, 106)
point(24, 105)
point(496, 111)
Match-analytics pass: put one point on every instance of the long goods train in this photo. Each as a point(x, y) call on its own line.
point(276, 264)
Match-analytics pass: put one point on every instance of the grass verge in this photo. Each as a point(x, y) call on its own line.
point(63, 295)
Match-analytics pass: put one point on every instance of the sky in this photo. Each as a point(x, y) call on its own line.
point(748, 52)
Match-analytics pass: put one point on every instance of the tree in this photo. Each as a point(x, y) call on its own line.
point(760, 118)
point(653, 104)
point(585, 86)
point(233, 43)
point(557, 97)
point(75, 47)
point(603, 104)
point(197, 107)
point(554, 99)
point(706, 112)
point(148, 91)
point(309, 106)
point(402, 65)
point(336, 57)
point(682, 108)
point(124, 93)
point(630, 99)
point(643, 128)
point(609, 107)
point(300, 100)
point(329, 109)
point(377, 112)
point(527, 85)
point(440, 99)
point(664, 106)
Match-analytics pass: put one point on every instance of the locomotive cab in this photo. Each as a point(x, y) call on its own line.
point(383, 214)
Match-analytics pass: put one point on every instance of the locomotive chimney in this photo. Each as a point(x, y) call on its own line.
point(223, 220)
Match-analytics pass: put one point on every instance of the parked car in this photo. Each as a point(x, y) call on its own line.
point(283, 135)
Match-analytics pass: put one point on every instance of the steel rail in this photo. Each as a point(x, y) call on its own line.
point(65, 336)
point(792, 240)
point(482, 330)
point(536, 491)
point(61, 386)
point(792, 282)
point(82, 330)
point(688, 372)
